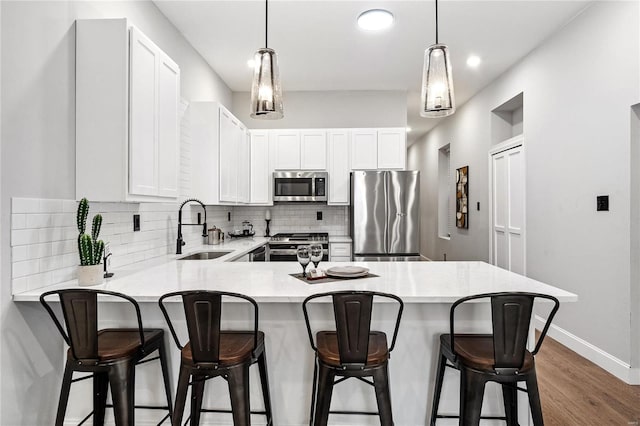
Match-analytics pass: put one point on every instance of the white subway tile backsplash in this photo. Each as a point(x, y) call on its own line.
point(19, 253)
point(18, 221)
point(24, 268)
point(25, 205)
point(50, 206)
point(21, 237)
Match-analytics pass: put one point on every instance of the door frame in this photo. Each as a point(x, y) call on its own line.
point(514, 142)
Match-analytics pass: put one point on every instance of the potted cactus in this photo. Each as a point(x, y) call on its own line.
point(90, 248)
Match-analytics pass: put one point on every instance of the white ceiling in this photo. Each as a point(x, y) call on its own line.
point(320, 46)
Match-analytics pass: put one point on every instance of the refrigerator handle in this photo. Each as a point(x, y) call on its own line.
point(386, 212)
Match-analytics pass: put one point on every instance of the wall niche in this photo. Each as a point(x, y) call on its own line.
point(507, 119)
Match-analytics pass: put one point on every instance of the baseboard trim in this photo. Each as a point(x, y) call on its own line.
point(602, 359)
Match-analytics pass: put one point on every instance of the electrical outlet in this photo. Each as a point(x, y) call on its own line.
point(228, 216)
point(602, 203)
point(478, 205)
point(136, 222)
point(318, 215)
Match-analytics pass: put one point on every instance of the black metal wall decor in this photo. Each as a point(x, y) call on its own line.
point(462, 194)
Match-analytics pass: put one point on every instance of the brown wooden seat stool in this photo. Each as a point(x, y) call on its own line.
point(110, 354)
point(352, 350)
point(212, 352)
point(500, 357)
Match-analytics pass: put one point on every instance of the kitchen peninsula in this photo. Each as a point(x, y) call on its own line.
point(427, 289)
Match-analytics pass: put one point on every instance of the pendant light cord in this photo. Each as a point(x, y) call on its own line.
point(436, 21)
point(266, 24)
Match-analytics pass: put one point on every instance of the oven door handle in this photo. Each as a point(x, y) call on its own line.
point(279, 252)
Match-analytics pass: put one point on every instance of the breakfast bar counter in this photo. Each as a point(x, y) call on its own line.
point(427, 288)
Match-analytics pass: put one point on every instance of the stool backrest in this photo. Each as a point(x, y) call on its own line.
point(511, 319)
point(352, 313)
point(203, 314)
point(80, 312)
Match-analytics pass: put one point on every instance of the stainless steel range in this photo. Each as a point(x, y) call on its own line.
point(282, 246)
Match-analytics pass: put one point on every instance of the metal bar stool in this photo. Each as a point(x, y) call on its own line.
point(352, 350)
point(110, 354)
point(211, 353)
point(500, 357)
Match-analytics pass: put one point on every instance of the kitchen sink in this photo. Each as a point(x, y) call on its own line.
point(205, 255)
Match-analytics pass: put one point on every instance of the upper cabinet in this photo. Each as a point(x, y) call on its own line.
point(260, 178)
point(299, 149)
point(127, 128)
point(373, 149)
point(339, 142)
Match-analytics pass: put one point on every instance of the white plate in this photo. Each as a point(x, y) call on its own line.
point(347, 271)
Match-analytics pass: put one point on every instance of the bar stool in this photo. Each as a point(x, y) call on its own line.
point(211, 353)
point(352, 350)
point(110, 354)
point(500, 357)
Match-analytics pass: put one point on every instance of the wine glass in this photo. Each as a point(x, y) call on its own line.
point(304, 258)
point(316, 254)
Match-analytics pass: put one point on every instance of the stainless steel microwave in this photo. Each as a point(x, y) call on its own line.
point(301, 187)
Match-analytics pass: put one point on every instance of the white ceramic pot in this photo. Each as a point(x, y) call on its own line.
point(90, 275)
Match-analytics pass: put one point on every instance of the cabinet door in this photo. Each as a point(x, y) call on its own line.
point(244, 158)
point(392, 148)
point(286, 150)
point(313, 150)
point(143, 155)
point(260, 174)
point(168, 127)
point(364, 149)
point(339, 166)
point(228, 157)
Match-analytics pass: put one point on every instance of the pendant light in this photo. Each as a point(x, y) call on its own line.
point(266, 93)
point(437, 98)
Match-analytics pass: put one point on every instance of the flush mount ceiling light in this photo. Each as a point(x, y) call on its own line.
point(266, 92)
point(474, 61)
point(437, 98)
point(375, 19)
point(251, 63)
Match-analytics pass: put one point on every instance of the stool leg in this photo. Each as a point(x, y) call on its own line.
point(383, 396)
point(100, 389)
point(166, 377)
point(471, 396)
point(442, 362)
point(122, 379)
point(181, 396)
point(239, 391)
point(64, 394)
point(534, 399)
point(197, 393)
point(326, 378)
point(314, 390)
point(264, 381)
point(510, 397)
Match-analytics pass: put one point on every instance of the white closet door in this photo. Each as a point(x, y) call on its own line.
point(508, 210)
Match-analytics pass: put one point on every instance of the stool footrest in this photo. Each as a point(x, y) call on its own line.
point(451, 416)
point(220, 410)
point(364, 413)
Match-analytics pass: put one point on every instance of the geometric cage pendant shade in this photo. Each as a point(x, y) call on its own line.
point(438, 99)
point(266, 92)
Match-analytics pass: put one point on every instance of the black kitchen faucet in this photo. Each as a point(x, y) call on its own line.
point(180, 242)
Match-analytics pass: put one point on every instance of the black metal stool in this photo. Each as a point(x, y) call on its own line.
point(500, 357)
point(353, 350)
point(110, 354)
point(211, 353)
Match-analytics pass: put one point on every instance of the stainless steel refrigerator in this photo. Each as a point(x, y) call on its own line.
point(385, 215)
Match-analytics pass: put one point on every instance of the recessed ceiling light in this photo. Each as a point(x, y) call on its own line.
point(408, 129)
point(251, 63)
point(375, 19)
point(473, 61)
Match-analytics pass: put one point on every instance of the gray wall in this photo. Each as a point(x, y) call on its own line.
point(38, 160)
point(339, 109)
point(577, 97)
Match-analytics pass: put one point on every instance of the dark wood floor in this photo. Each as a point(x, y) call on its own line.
point(574, 391)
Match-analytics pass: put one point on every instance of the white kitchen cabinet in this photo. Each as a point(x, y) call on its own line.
point(286, 149)
point(392, 148)
point(244, 160)
point(339, 166)
point(364, 149)
point(127, 130)
point(261, 177)
point(313, 150)
point(229, 156)
point(339, 252)
point(378, 149)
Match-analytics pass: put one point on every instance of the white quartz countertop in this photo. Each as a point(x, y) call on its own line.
point(270, 282)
